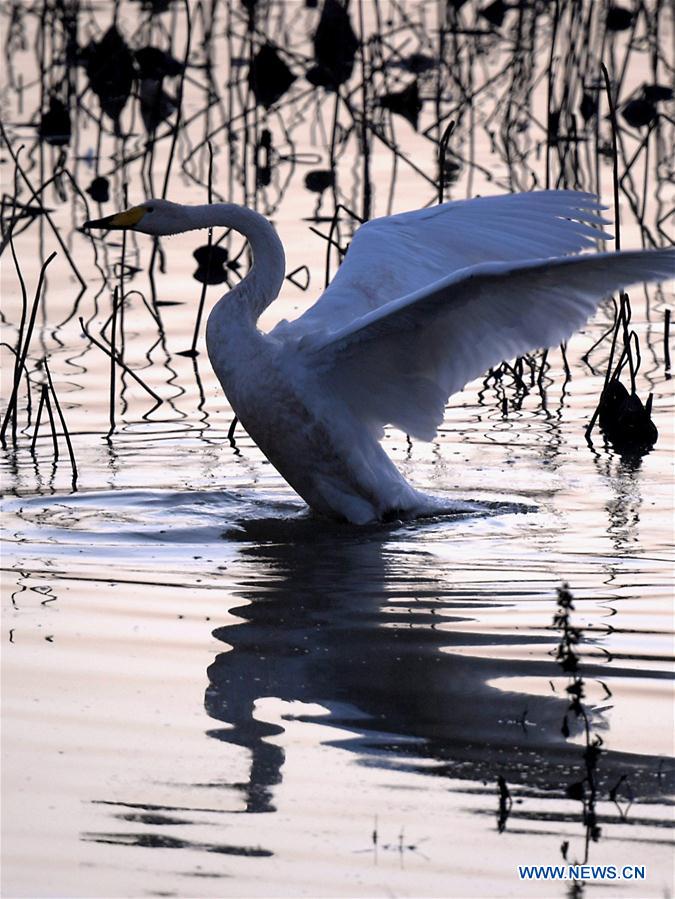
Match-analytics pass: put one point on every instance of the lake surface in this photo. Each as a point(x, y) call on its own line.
point(206, 690)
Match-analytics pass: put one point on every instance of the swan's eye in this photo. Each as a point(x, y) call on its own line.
point(149, 208)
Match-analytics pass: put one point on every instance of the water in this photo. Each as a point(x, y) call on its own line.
point(209, 692)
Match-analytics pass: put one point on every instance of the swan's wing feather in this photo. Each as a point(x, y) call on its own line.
point(400, 363)
point(394, 256)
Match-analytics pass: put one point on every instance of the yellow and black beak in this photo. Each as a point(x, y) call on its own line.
point(119, 221)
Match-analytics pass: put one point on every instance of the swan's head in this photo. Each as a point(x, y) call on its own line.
point(157, 217)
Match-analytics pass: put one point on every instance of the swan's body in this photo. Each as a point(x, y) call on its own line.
point(423, 303)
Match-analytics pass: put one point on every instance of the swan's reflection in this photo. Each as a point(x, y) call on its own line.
point(365, 626)
point(368, 627)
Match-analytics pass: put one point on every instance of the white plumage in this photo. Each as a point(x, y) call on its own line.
point(423, 303)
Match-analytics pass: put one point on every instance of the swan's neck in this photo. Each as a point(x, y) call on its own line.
point(262, 284)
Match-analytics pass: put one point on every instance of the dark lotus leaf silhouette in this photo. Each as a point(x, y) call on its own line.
point(657, 93)
point(625, 421)
point(263, 158)
point(588, 106)
point(451, 170)
point(576, 790)
point(99, 189)
point(263, 176)
point(418, 63)
point(335, 46)
point(155, 63)
point(319, 180)
point(110, 69)
point(154, 7)
point(495, 13)
point(619, 18)
point(641, 109)
point(211, 262)
point(553, 125)
point(264, 145)
point(55, 124)
point(249, 6)
point(639, 112)
point(156, 104)
point(405, 103)
point(269, 77)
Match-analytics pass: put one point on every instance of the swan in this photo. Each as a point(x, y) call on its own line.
point(424, 302)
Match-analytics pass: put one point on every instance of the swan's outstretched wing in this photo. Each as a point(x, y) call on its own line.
point(394, 256)
point(400, 363)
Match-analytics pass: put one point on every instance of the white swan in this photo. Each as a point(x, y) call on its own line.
point(423, 303)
